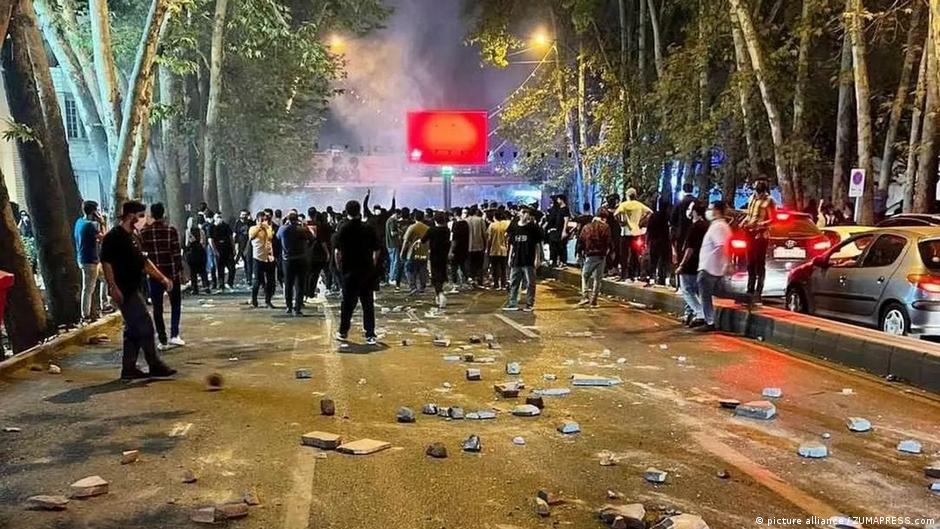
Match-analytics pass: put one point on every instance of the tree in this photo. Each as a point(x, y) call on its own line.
point(853, 13)
point(840, 186)
point(210, 185)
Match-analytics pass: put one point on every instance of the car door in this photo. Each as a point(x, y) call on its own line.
point(829, 284)
point(866, 283)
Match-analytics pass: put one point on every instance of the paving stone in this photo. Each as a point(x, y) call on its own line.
point(513, 368)
point(455, 412)
point(541, 508)
point(552, 392)
point(436, 450)
point(443, 411)
point(518, 441)
point(473, 444)
point(203, 515)
point(362, 447)
point(441, 342)
point(654, 475)
point(88, 487)
point(682, 521)
point(757, 409)
point(303, 374)
point(231, 511)
point(526, 410)
point(468, 357)
point(322, 440)
point(129, 456)
point(327, 407)
point(251, 498)
point(189, 477)
point(813, 449)
point(858, 424)
point(729, 403)
point(909, 446)
point(507, 390)
point(594, 380)
point(932, 470)
point(474, 374)
point(935, 486)
point(46, 503)
point(535, 400)
point(569, 427)
point(772, 393)
point(482, 415)
point(485, 360)
point(472, 416)
point(550, 377)
point(489, 338)
point(631, 514)
point(429, 409)
point(405, 415)
point(451, 358)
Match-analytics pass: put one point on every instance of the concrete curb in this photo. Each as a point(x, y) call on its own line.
point(44, 352)
point(908, 359)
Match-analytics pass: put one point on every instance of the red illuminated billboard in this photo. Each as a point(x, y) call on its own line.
point(447, 137)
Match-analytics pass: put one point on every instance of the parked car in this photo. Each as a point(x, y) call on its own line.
point(837, 234)
point(886, 278)
point(794, 238)
point(910, 220)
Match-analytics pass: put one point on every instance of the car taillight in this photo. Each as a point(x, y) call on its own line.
point(822, 245)
point(738, 244)
point(783, 217)
point(926, 282)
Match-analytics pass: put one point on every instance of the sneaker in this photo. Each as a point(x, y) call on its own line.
point(441, 301)
point(340, 337)
point(696, 323)
point(177, 341)
point(289, 311)
point(136, 374)
point(163, 372)
point(162, 346)
point(584, 302)
point(705, 327)
point(453, 290)
point(528, 308)
point(687, 321)
point(372, 340)
point(511, 308)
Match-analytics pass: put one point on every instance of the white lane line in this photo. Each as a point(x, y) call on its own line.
point(298, 502)
point(525, 332)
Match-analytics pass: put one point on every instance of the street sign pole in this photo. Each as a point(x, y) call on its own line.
point(447, 179)
point(857, 190)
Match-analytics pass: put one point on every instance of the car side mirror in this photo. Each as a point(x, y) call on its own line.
point(821, 261)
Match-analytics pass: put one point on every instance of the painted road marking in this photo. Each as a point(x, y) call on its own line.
point(524, 331)
point(297, 507)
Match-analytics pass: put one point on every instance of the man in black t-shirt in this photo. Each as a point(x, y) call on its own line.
point(124, 267)
point(221, 241)
point(525, 247)
point(438, 239)
point(688, 263)
point(357, 252)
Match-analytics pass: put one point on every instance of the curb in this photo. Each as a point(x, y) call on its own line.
point(46, 351)
point(911, 360)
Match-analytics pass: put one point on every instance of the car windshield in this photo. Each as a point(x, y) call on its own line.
point(794, 227)
point(930, 253)
point(847, 255)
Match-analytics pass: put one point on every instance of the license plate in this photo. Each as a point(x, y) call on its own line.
point(789, 253)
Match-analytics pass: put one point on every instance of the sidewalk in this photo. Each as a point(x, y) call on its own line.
point(907, 359)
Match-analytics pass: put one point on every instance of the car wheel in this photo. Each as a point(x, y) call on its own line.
point(894, 320)
point(796, 300)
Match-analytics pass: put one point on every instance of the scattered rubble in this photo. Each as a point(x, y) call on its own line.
point(220, 513)
point(474, 374)
point(406, 342)
point(535, 400)
point(303, 374)
point(723, 474)
point(607, 459)
point(321, 440)
point(526, 410)
point(429, 409)
point(518, 441)
point(189, 477)
point(12, 429)
point(569, 427)
point(481, 415)
point(88, 487)
point(363, 447)
point(614, 495)
point(513, 368)
point(932, 470)
point(772, 393)
point(550, 377)
point(541, 508)
point(54, 369)
point(758, 409)
point(813, 449)
point(436, 450)
point(858, 424)
point(472, 444)
point(654, 475)
point(46, 503)
point(629, 516)
point(405, 415)
point(594, 380)
point(507, 390)
point(130, 456)
point(442, 342)
point(909, 446)
point(935, 486)
point(327, 407)
point(474, 339)
point(552, 392)
point(213, 382)
point(729, 403)
point(682, 521)
point(251, 498)
point(455, 412)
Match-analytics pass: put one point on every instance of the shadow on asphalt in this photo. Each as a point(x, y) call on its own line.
point(363, 349)
point(84, 393)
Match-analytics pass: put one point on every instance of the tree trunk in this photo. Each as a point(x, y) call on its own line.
point(137, 108)
point(141, 144)
point(752, 42)
point(212, 108)
point(924, 184)
point(866, 214)
point(744, 87)
point(900, 97)
point(840, 188)
point(799, 98)
point(6, 10)
point(226, 204)
point(917, 124)
point(641, 46)
point(105, 72)
point(625, 40)
point(43, 189)
point(171, 95)
point(935, 28)
point(583, 139)
point(657, 41)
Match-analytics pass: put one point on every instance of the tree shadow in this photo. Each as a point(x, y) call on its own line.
point(85, 393)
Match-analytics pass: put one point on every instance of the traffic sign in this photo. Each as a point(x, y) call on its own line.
point(857, 183)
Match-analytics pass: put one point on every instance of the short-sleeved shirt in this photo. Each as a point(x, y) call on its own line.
point(357, 243)
point(86, 241)
point(121, 250)
point(221, 235)
point(498, 238)
point(261, 237)
point(630, 213)
point(477, 233)
point(693, 241)
point(713, 257)
point(526, 242)
point(438, 238)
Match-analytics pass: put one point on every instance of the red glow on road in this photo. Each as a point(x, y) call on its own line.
point(446, 137)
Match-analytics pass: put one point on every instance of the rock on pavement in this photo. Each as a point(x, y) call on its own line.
point(629, 516)
point(436, 450)
point(322, 440)
point(526, 410)
point(682, 521)
point(858, 424)
point(813, 449)
point(47, 503)
point(758, 409)
point(88, 487)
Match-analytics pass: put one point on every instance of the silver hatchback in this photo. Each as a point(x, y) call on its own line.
point(888, 278)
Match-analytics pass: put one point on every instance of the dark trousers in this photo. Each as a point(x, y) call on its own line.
point(263, 274)
point(438, 275)
point(629, 257)
point(660, 262)
point(476, 266)
point(313, 277)
point(458, 270)
point(295, 273)
point(498, 266)
point(249, 265)
point(357, 289)
point(176, 299)
point(138, 334)
point(557, 249)
point(224, 271)
point(196, 273)
point(756, 265)
point(613, 258)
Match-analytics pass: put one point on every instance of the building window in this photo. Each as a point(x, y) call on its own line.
point(73, 127)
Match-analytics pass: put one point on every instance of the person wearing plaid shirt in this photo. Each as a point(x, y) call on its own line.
point(161, 243)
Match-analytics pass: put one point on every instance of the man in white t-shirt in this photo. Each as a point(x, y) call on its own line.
point(713, 261)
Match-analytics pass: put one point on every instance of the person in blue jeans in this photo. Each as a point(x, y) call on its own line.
point(525, 245)
point(88, 234)
point(713, 261)
point(687, 270)
point(161, 242)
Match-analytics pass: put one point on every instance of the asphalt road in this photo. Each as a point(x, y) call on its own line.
point(246, 437)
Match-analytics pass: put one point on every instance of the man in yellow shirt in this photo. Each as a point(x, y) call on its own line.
point(632, 215)
point(261, 240)
point(498, 249)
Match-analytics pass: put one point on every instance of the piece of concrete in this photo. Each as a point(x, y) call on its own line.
point(203, 515)
point(932, 470)
point(54, 369)
point(129, 456)
point(88, 487)
point(327, 407)
point(608, 459)
point(542, 508)
point(654, 475)
point(507, 390)
point(935, 486)
point(632, 515)
point(772, 393)
point(362, 447)
point(910, 446)
point(473, 444)
point(535, 400)
point(189, 477)
point(46, 503)
point(550, 377)
point(303, 374)
point(813, 450)
point(682, 521)
point(729, 404)
point(405, 415)
point(757, 409)
point(513, 368)
point(322, 440)
point(481, 415)
point(474, 374)
point(251, 498)
point(526, 410)
point(858, 424)
point(569, 427)
point(436, 450)
point(456, 413)
point(468, 357)
point(12, 429)
point(594, 380)
point(442, 342)
point(489, 337)
point(474, 339)
point(429, 409)
point(552, 392)
point(231, 511)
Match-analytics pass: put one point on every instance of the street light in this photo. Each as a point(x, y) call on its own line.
point(336, 43)
point(541, 38)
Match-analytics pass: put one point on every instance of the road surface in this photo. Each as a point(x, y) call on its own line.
point(246, 437)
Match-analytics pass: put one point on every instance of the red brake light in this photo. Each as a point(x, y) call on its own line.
point(926, 282)
point(738, 244)
point(783, 217)
point(822, 245)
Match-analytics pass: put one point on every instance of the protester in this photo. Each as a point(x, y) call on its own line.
point(525, 243)
point(658, 242)
point(714, 261)
point(460, 248)
point(357, 253)
point(632, 215)
point(25, 225)
point(414, 252)
point(613, 260)
point(196, 260)
point(261, 240)
point(595, 245)
point(556, 231)
point(294, 238)
point(318, 252)
point(161, 243)
point(477, 245)
point(438, 240)
point(242, 249)
point(393, 235)
point(124, 267)
point(679, 221)
point(89, 230)
point(761, 211)
point(687, 270)
point(497, 245)
point(222, 244)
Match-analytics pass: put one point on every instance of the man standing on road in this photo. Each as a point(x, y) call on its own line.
point(761, 211)
point(688, 264)
point(124, 267)
point(161, 243)
point(89, 230)
point(294, 237)
point(242, 248)
point(498, 247)
point(556, 228)
point(477, 244)
point(679, 221)
point(221, 241)
point(632, 215)
point(261, 240)
point(357, 253)
point(714, 261)
point(525, 244)
point(595, 245)
point(460, 247)
point(438, 240)
point(414, 251)
point(393, 246)
point(657, 240)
